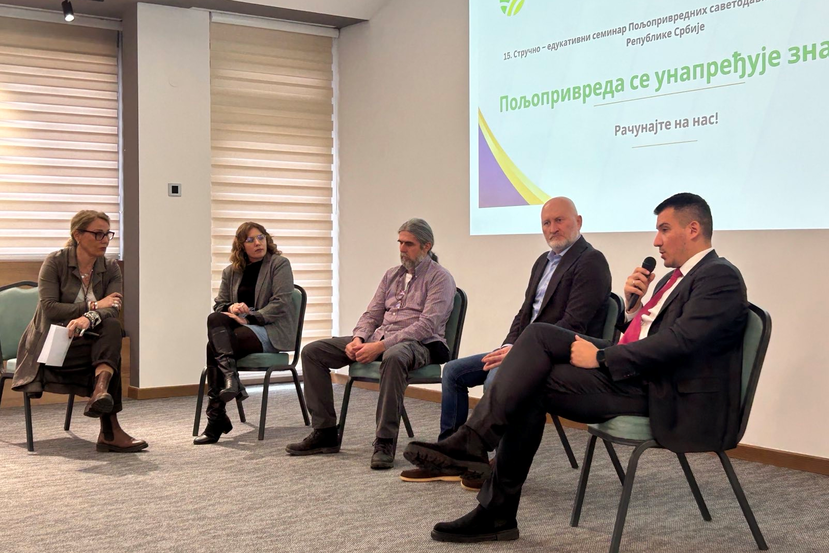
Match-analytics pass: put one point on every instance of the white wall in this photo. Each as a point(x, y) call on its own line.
point(404, 153)
point(173, 57)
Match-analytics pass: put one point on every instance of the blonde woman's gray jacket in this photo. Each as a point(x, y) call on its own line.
point(58, 285)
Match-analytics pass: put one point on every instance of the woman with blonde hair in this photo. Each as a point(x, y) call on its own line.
point(253, 313)
point(81, 289)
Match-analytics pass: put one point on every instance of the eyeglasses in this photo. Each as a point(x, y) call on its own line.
point(99, 234)
point(258, 238)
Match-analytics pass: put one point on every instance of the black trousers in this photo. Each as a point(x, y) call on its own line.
point(77, 375)
point(242, 341)
point(535, 379)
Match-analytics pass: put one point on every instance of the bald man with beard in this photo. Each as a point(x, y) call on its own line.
point(569, 287)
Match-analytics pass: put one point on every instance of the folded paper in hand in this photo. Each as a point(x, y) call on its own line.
point(55, 348)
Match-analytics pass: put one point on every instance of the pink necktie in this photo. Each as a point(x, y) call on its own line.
point(635, 326)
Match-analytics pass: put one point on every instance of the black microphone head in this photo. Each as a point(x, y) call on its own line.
point(649, 264)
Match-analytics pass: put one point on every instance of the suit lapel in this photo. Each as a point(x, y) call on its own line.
point(686, 280)
point(563, 266)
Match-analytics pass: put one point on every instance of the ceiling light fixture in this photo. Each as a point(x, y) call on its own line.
point(68, 12)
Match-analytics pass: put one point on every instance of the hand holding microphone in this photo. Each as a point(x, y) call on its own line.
point(636, 286)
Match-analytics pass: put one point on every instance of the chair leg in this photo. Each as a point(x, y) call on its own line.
point(69, 405)
point(199, 400)
point(611, 452)
point(241, 409)
point(27, 411)
point(301, 397)
point(582, 487)
point(344, 410)
point(741, 499)
point(263, 412)
point(624, 501)
point(405, 417)
point(2, 383)
point(692, 482)
point(565, 442)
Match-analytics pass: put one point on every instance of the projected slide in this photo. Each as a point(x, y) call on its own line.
point(619, 104)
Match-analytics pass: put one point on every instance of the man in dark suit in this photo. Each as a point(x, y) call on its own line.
point(569, 286)
point(679, 362)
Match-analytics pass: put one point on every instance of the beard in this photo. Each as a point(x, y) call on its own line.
point(559, 243)
point(410, 264)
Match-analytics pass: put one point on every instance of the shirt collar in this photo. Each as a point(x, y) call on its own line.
point(691, 263)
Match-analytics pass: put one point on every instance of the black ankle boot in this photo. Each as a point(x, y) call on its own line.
point(462, 450)
point(477, 526)
point(323, 440)
point(214, 429)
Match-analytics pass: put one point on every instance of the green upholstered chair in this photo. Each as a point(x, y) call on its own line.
point(430, 374)
point(268, 362)
point(636, 432)
point(18, 302)
point(614, 312)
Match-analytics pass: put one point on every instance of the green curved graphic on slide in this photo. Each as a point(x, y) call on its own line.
point(530, 192)
point(511, 7)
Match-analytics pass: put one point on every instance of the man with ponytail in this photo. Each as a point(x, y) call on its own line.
point(403, 327)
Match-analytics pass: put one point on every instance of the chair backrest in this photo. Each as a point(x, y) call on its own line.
point(300, 300)
point(454, 326)
point(17, 307)
point(614, 311)
point(755, 343)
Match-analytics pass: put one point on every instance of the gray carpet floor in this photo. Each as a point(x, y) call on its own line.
point(244, 495)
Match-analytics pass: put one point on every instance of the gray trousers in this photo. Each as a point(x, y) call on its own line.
point(396, 362)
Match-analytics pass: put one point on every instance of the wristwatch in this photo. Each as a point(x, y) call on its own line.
point(600, 358)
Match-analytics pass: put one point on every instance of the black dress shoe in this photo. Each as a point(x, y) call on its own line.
point(213, 430)
point(478, 525)
point(462, 450)
point(322, 440)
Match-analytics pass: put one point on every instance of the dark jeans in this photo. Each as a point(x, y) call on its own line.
point(458, 376)
point(237, 342)
point(396, 362)
point(77, 375)
point(535, 379)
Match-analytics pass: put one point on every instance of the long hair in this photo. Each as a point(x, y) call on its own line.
point(421, 230)
point(81, 221)
point(238, 257)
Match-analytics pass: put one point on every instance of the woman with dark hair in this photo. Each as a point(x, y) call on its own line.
point(253, 313)
point(81, 289)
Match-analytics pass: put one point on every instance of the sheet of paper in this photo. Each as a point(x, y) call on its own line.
point(55, 348)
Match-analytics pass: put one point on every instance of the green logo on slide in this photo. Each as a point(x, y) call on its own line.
point(511, 7)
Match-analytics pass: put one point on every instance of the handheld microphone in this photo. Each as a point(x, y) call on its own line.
point(649, 264)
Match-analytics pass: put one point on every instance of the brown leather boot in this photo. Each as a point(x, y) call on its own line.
point(112, 437)
point(101, 402)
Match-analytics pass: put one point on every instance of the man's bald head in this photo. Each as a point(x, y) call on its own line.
point(560, 223)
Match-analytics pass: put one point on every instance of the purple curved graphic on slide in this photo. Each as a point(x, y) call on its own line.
point(494, 188)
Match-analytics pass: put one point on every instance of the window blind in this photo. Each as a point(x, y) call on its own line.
point(272, 153)
point(58, 133)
